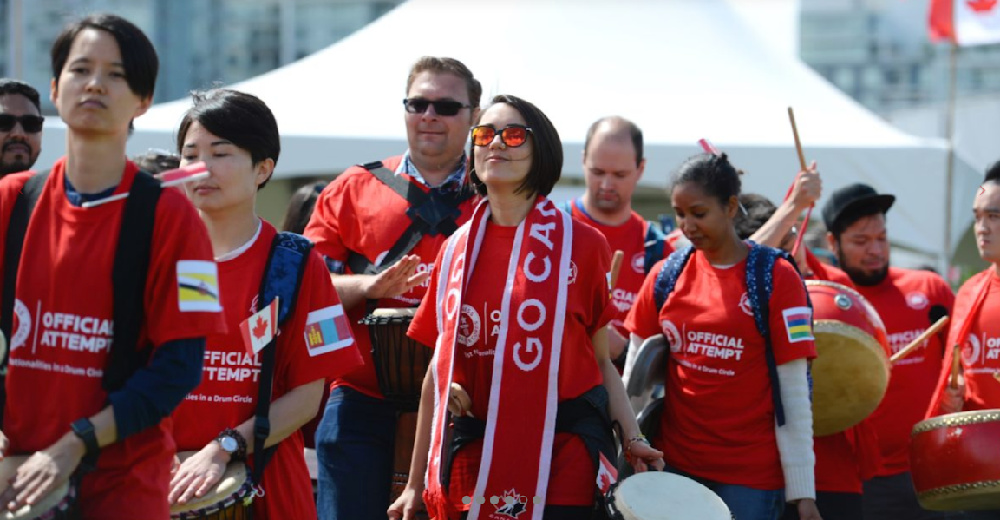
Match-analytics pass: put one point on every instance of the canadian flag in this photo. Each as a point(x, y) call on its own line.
point(965, 22)
point(260, 328)
point(606, 474)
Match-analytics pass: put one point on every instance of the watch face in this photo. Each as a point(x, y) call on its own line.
point(229, 444)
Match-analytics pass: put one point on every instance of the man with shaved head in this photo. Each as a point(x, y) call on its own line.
point(612, 165)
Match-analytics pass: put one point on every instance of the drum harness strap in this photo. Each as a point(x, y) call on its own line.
point(128, 278)
point(760, 283)
point(431, 213)
point(286, 265)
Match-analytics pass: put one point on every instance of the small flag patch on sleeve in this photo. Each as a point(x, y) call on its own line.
point(327, 330)
point(798, 324)
point(198, 286)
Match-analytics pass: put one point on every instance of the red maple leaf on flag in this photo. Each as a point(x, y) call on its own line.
point(981, 6)
point(260, 328)
point(605, 482)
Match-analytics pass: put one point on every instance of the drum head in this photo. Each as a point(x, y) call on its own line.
point(656, 495)
point(401, 312)
point(7, 468)
point(232, 480)
point(850, 376)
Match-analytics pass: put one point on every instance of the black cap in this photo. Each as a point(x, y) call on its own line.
point(853, 197)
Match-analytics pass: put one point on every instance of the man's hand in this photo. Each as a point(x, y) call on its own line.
point(808, 187)
point(397, 279)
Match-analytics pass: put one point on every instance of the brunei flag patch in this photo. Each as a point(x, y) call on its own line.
point(798, 324)
point(198, 286)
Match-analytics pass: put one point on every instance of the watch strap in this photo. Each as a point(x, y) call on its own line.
point(84, 429)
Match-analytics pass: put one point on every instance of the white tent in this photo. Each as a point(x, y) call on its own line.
point(682, 69)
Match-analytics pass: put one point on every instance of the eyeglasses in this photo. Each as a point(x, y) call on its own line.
point(30, 124)
point(441, 107)
point(511, 135)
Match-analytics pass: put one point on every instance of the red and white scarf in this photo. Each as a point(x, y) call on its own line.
point(521, 418)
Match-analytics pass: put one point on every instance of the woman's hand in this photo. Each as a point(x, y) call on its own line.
point(808, 510)
point(459, 402)
point(43, 472)
point(641, 456)
point(808, 187)
point(198, 474)
point(409, 503)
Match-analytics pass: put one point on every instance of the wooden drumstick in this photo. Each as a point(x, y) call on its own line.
point(616, 266)
point(802, 163)
point(933, 329)
point(956, 362)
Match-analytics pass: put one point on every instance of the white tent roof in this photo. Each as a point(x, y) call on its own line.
point(682, 69)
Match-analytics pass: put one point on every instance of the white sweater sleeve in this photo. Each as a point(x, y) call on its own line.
point(795, 438)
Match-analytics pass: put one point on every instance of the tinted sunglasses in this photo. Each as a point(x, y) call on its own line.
point(441, 108)
point(511, 135)
point(30, 124)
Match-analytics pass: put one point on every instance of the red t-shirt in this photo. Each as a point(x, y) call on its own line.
point(904, 300)
point(227, 395)
point(718, 422)
point(629, 238)
point(357, 212)
point(981, 350)
point(63, 328)
point(573, 478)
point(826, 272)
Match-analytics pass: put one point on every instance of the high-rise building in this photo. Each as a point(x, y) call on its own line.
point(201, 43)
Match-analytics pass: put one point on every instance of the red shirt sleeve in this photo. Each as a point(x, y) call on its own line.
point(300, 364)
point(790, 316)
point(179, 238)
point(332, 208)
point(643, 318)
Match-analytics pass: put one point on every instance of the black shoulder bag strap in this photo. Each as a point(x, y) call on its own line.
point(17, 226)
point(129, 274)
point(430, 213)
point(283, 274)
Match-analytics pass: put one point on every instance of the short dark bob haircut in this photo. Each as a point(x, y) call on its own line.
point(138, 55)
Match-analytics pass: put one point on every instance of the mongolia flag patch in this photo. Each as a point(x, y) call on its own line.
point(798, 323)
point(327, 330)
point(198, 286)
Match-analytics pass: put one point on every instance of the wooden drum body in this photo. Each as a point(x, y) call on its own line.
point(851, 371)
point(955, 461)
point(400, 362)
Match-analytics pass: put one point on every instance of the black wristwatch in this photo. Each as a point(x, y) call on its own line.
point(233, 443)
point(84, 429)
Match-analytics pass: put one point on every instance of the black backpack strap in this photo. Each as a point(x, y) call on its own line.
point(128, 275)
point(666, 279)
point(286, 266)
point(653, 245)
point(17, 226)
point(430, 213)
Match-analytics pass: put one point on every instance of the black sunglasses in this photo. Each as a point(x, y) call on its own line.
point(511, 135)
point(441, 108)
point(30, 124)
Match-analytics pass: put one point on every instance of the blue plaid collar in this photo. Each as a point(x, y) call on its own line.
point(450, 184)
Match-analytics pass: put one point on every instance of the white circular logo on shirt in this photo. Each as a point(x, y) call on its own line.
point(639, 262)
point(672, 335)
point(572, 272)
point(917, 300)
point(745, 305)
point(971, 351)
point(469, 326)
point(23, 325)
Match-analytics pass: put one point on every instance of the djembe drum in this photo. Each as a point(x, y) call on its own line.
point(58, 504)
point(656, 495)
point(229, 499)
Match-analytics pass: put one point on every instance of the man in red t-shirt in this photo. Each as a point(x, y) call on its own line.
point(906, 300)
point(613, 163)
point(357, 221)
point(58, 410)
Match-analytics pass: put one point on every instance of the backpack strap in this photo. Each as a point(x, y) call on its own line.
point(286, 266)
point(666, 279)
point(128, 275)
point(653, 245)
point(431, 213)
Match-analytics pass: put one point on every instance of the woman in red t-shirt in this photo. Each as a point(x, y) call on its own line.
point(237, 137)
point(718, 423)
point(521, 379)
